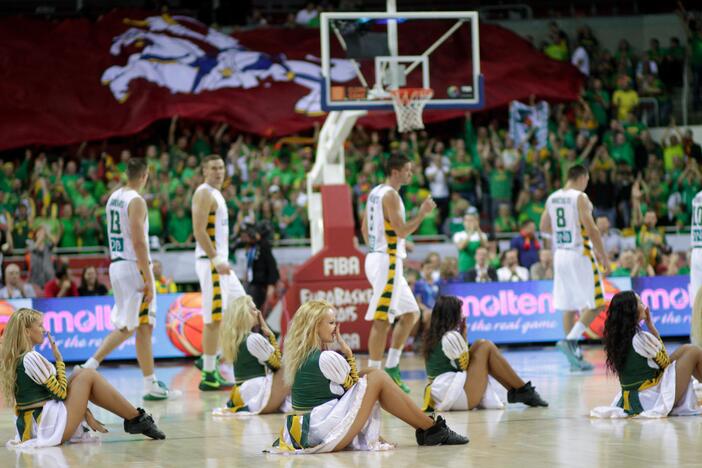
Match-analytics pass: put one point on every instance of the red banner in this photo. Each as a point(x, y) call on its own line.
point(76, 80)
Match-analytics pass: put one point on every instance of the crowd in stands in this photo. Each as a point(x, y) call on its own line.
point(485, 184)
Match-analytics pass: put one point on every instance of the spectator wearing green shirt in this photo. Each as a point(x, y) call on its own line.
point(464, 177)
point(468, 241)
point(155, 218)
point(89, 229)
point(505, 222)
point(531, 206)
point(599, 100)
point(457, 209)
point(500, 181)
point(180, 225)
point(293, 223)
point(67, 230)
point(621, 150)
point(626, 266)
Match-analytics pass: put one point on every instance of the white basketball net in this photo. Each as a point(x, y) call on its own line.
point(409, 104)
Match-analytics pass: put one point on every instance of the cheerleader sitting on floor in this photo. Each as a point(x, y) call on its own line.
point(336, 407)
point(259, 386)
point(653, 385)
point(49, 407)
point(460, 379)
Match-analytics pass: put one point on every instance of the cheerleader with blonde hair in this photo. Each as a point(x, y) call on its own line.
point(336, 407)
point(50, 407)
point(259, 387)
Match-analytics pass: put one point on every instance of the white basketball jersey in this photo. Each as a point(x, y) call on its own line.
point(119, 233)
point(217, 224)
point(380, 232)
point(696, 222)
point(562, 207)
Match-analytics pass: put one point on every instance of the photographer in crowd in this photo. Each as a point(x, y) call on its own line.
point(261, 267)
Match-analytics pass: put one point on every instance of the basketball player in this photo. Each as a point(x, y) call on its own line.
point(577, 282)
point(131, 277)
point(218, 282)
point(384, 229)
point(696, 263)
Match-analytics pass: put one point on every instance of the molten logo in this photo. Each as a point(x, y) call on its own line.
point(507, 302)
point(659, 298)
point(84, 320)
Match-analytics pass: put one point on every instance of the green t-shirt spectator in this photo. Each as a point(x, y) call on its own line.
point(90, 237)
point(506, 224)
point(155, 222)
point(179, 227)
point(532, 211)
point(69, 183)
point(295, 229)
point(466, 256)
point(96, 188)
point(85, 199)
point(68, 237)
point(428, 225)
point(622, 154)
point(599, 102)
point(462, 184)
point(500, 181)
point(201, 148)
point(621, 272)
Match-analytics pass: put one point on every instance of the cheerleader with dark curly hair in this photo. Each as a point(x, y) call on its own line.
point(653, 384)
point(461, 377)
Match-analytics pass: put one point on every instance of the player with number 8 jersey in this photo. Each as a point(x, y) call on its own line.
point(577, 263)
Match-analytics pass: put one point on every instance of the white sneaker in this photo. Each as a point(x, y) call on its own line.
point(159, 391)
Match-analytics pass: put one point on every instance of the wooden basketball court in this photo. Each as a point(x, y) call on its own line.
point(561, 435)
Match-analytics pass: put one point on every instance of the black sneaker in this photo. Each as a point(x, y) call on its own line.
point(527, 395)
point(143, 424)
point(439, 434)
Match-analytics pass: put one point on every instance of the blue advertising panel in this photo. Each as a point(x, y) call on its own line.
point(508, 312)
point(669, 301)
point(79, 324)
point(520, 312)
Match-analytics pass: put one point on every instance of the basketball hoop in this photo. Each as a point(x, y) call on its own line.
point(409, 104)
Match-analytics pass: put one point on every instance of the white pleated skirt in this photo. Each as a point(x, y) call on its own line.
point(657, 401)
point(329, 423)
point(448, 393)
point(49, 431)
point(256, 394)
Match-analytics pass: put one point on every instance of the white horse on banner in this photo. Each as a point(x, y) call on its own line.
point(169, 56)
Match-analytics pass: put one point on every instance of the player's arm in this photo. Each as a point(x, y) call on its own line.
point(202, 202)
point(593, 232)
point(364, 225)
point(546, 228)
point(391, 206)
point(137, 217)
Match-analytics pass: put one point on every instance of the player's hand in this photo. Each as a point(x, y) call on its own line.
point(341, 343)
point(427, 206)
point(54, 349)
point(604, 264)
point(223, 268)
point(148, 291)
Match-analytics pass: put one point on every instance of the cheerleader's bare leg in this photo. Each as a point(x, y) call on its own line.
point(381, 388)
point(88, 385)
point(688, 362)
point(278, 393)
